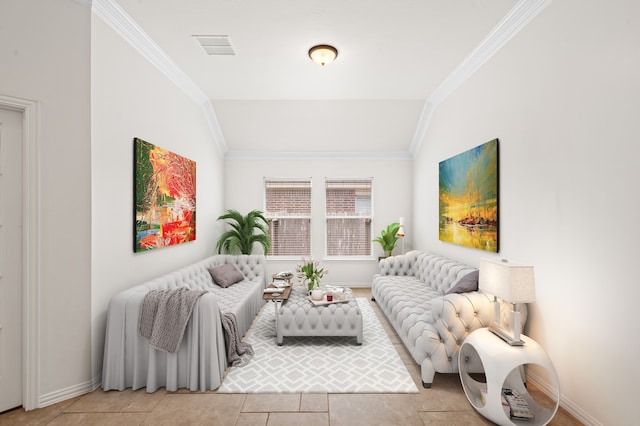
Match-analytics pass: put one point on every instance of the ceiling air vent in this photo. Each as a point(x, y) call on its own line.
point(215, 44)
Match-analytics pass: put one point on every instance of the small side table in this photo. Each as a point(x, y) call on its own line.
point(503, 366)
point(278, 298)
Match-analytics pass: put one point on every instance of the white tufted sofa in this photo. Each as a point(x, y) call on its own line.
point(201, 361)
point(410, 289)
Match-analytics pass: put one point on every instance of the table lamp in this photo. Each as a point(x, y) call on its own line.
point(511, 282)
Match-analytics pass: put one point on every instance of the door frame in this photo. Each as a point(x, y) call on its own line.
point(30, 245)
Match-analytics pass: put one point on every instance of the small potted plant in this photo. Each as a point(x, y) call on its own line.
point(388, 238)
point(243, 235)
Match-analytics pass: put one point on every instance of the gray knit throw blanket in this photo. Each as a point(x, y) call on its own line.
point(164, 315)
point(239, 353)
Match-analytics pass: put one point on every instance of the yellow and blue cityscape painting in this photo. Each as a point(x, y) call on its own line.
point(469, 198)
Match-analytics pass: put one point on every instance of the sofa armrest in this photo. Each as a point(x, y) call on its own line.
point(456, 315)
point(129, 361)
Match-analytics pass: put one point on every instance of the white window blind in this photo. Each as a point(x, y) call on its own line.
point(348, 214)
point(288, 210)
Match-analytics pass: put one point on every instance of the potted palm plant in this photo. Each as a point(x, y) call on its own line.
point(244, 232)
point(388, 238)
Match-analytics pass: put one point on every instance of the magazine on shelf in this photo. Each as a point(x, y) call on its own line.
point(513, 404)
point(505, 405)
point(518, 407)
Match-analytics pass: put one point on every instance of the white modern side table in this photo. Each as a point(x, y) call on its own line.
point(503, 366)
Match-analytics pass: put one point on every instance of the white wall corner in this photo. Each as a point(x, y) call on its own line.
point(96, 382)
point(114, 16)
point(86, 3)
point(423, 126)
point(214, 126)
point(549, 390)
point(515, 20)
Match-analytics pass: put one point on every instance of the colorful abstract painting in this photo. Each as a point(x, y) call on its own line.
point(469, 198)
point(165, 197)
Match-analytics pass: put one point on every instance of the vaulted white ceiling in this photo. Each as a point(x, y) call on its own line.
point(396, 60)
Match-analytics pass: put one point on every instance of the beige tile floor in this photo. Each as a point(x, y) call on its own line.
point(443, 404)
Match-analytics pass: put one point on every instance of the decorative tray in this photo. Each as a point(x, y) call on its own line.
point(324, 301)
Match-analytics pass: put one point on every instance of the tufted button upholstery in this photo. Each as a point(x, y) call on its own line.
point(298, 317)
point(230, 299)
point(411, 289)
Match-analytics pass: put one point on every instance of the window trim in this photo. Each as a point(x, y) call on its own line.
point(342, 257)
point(279, 180)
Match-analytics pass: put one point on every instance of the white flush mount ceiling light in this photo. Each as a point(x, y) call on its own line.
point(323, 54)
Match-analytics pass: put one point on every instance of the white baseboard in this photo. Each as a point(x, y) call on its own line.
point(565, 403)
point(96, 382)
point(64, 394)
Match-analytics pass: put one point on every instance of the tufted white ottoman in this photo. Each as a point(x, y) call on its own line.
point(299, 317)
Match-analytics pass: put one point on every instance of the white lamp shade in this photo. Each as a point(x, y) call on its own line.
point(511, 282)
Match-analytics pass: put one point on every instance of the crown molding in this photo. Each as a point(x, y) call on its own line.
point(214, 126)
point(317, 155)
point(422, 127)
point(110, 12)
point(515, 20)
point(86, 3)
point(114, 16)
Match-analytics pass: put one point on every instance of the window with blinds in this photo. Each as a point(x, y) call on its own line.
point(348, 214)
point(288, 211)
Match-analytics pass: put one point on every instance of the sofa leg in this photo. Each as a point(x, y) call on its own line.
point(373, 299)
point(428, 373)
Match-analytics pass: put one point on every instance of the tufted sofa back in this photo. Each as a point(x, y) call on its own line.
point(252, 266)
point(197, 276)
point(407, 264)
point(437, 272)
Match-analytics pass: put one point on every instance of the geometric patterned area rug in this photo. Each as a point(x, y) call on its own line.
point(320, 364)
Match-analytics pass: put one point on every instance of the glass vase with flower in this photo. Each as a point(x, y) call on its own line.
point(311, 273)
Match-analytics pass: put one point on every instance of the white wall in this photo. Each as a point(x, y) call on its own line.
point(244, 191)
point(562, 97)
point(45, 49)
point(131, 98)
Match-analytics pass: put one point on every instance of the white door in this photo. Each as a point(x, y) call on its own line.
point(10, 259)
